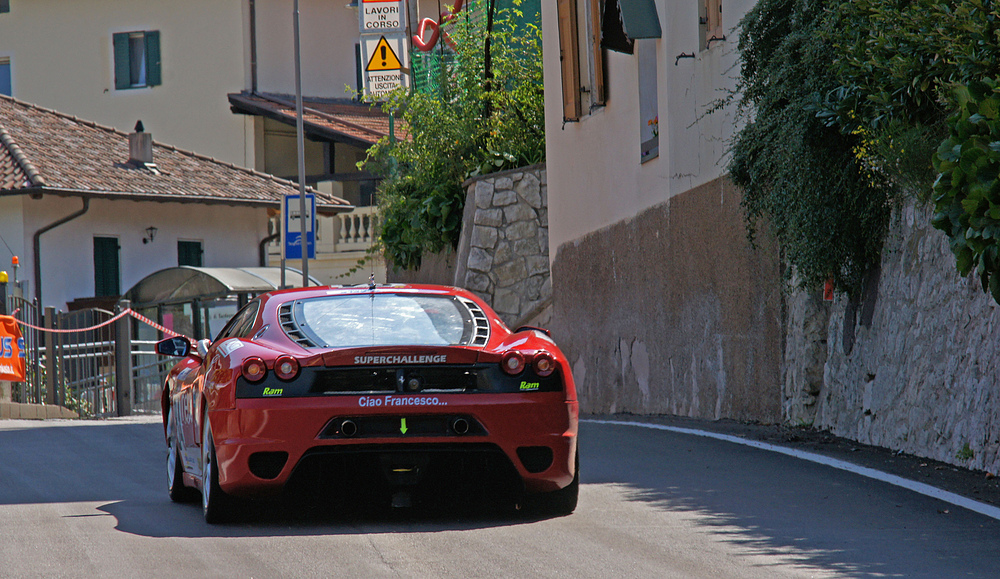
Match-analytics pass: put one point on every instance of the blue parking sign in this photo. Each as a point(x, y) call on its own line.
point(293, 227)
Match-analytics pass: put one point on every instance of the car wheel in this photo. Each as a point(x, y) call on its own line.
point(214, 502)
point(560, 502)
point(563, 501)
point(175, 469)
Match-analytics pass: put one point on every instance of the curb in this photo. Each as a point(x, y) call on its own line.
point(17, 410)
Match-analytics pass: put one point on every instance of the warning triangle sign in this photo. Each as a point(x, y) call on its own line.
point(383, 57)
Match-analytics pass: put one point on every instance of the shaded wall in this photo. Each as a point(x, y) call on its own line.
point(673, 312)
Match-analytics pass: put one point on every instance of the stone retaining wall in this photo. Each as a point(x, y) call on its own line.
point(503, 254)
point(912, 366)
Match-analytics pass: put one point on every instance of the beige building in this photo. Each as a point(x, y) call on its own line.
point(213, 76)
point(659, 299)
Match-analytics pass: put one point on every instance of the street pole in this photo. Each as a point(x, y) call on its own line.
point(300, 138)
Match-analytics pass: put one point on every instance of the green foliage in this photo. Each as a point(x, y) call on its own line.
point(895, 62)
point(827, 208)
point(475, 120)
point(967, 191)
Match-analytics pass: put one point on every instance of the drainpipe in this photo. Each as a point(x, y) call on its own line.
point(253, 47)
point(262, 248)
point(37, 246)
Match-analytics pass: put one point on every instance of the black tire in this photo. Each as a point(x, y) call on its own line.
point(564, 500)
point(179, 493)
point(557, 503)
point(215, 504)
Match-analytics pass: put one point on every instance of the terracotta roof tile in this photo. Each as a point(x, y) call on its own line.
point(47, 150)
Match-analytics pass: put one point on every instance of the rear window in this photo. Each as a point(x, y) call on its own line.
point(379, 319)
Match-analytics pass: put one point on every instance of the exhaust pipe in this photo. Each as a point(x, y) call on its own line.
point(348, 428)
point(460, 426)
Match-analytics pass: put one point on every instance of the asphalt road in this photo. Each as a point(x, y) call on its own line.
point(88, 499)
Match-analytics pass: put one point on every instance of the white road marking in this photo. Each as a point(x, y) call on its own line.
point(917, 487)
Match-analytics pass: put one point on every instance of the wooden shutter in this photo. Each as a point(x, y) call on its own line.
point(106, 271)
point(569, 55)
point(597, 94)
point(153, 76)
point(123, 72)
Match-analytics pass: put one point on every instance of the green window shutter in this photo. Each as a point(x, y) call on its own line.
point(189, 253)
point(153, 58)
point(106, 271)
point(123, 78)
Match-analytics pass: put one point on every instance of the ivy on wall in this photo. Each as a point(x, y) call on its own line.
point(806, 177)
point(850, 104)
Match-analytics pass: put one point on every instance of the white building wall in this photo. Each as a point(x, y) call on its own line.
point(328, 32)
point(229, 234)
point(595, 176)
point(61, 58)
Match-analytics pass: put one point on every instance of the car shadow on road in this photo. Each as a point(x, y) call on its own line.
point(161, 519)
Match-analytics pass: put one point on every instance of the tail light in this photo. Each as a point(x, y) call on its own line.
point(254, 369)
point(544, 364)
point(286, 367)
point(513, 362)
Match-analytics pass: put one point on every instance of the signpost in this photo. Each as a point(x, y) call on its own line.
point(381, 16)
point(294, 227)
point(385, 46)
point(384, 56)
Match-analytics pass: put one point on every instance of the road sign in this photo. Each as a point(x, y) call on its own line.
point(385, 59)
point(293, 227)
point(380, 16)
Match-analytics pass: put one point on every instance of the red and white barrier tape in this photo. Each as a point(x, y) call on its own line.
point(128, 312)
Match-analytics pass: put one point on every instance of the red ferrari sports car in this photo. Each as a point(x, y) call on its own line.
point(404, 394)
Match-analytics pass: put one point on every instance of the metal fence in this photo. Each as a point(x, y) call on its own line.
point(97, 371)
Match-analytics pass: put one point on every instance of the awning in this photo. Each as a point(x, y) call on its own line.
point(628, 20)
point(186, 283)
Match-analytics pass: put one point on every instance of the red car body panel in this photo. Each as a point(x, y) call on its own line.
point(199, 389)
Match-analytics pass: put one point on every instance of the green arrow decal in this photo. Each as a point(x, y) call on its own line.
point(402, 425)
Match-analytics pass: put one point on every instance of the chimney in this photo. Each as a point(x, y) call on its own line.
point(140, 146)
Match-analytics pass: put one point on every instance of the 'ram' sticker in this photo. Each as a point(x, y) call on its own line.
point(228, 346)
point(273, 391)
point(529, 385)
point(402, 359)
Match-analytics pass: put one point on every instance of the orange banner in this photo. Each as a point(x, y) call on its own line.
point(11, 350)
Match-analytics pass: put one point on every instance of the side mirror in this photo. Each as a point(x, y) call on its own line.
point(176, 346)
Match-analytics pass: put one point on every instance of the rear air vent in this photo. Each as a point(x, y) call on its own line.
point(287, 319)
point(482, 323)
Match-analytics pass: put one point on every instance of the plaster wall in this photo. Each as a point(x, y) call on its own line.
point(596, 178)
point(229, 237)
point(61, 58)
point(673, 312)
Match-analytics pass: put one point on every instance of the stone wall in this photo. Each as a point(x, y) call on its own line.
point(912, 365)
point(503, 254)
point(673, 312)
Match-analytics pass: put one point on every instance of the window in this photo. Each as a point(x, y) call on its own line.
point(710, 23)
point(137, 59)
point(106, 272)
point(189, 253)
point(649, 118)
point(5, 86)
point(4, 6)
point(574, 90)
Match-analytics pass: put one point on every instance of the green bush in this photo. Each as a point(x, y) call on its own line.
point(483, 114)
